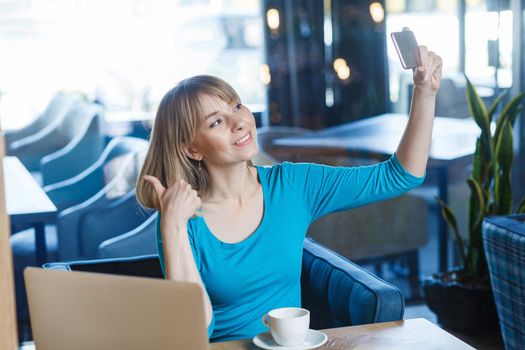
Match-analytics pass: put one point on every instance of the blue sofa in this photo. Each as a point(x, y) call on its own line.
point(336, 291)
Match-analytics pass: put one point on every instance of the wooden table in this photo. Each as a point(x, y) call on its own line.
point(28, 204)
point(414, 334)
point(376, 138)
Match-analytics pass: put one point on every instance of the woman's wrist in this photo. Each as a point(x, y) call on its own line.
point(424, 91)
point(174, 227)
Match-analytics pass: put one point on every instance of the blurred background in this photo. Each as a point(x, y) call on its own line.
point(300, 66)
point(127, 54)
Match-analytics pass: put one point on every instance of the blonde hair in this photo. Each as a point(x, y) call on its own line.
point(175, 126)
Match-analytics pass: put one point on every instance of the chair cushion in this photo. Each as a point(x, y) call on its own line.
point(504, 243)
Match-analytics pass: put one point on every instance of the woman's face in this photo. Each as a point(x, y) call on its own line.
point(226, 133)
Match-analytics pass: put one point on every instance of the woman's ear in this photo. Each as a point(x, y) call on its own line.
point(192, 153)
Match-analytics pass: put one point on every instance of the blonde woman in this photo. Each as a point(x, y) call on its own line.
point(237, 229)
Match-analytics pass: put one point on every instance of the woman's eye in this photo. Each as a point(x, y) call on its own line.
point(216, 123)
point(237, 107)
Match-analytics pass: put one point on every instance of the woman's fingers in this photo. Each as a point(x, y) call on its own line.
point(423, 54)
point(197, 202)
point(180, 200)
point(430, 65)
point(434, 71)
point(437, 64)
point(156, 184)
point(428, 75)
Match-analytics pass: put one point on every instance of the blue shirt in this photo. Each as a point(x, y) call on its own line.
point(247, 279)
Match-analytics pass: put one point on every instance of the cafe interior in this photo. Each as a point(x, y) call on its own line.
point(438, 267)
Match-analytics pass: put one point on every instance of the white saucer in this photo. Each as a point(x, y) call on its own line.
point(313, 340)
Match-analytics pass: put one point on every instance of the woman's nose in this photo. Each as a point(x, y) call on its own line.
point(238, 123)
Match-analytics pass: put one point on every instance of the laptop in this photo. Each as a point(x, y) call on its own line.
point(84, 310)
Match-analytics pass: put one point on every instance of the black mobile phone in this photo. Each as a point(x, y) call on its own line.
point(407, 48)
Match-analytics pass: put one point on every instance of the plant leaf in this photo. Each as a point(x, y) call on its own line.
point(481, 162)
point(521, 207)
point(504, 154)
point(504, 150)
point(477, 108)
point(450, 218)
point(477, 162)
point(513, 105)
point(495, 104)
point(513, 115)
point(510, 112)
point(477, 211)
point(477, 203)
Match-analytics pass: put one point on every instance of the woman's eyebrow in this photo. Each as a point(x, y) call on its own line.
point(211, 115)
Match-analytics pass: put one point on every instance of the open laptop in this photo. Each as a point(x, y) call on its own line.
point(84, 310)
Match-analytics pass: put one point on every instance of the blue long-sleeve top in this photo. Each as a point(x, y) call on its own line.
point(245, 280)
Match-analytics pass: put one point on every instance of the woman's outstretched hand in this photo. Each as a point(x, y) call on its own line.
point(178, 203)
point(427, 77)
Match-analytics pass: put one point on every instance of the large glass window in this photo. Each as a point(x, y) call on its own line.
point(488, 44)
point(125, 53)
point(487, 51)
point(436, 25)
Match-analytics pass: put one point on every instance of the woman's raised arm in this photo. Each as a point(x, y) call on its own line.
point(414, 146)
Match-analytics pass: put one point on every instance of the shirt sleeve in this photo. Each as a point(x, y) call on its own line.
point(326, 189)
point(160, 249)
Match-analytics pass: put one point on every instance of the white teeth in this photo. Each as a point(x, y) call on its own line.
point(242, 140)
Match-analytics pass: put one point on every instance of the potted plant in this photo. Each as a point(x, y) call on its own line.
point(462, 297)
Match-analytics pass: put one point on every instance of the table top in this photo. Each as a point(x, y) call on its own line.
point(414, 334)
point(25, 199)
point(379, 136)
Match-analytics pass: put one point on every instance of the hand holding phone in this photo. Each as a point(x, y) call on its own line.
point(407, 48)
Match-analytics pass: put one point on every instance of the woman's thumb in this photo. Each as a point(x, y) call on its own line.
point(155, 183)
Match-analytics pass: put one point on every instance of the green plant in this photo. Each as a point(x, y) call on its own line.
point(490, 182)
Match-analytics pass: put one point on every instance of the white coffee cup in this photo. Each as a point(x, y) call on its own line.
point(288, 325)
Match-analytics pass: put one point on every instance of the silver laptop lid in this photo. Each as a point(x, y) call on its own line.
point(82, 310)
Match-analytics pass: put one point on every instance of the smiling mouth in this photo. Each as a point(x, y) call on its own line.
point(243, 140)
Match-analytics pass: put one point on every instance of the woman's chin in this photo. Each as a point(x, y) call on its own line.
point(249, 154)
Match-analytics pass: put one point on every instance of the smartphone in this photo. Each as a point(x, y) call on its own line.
point(407, 48)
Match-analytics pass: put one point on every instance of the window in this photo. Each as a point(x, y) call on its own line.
point(124, 53)
point(435, 24)
point(488, 34)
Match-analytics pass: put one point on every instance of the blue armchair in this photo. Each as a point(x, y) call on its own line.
point(504, 243)
point(111, 164)
point(139, 241)
point(104, 185)
point(105, 182)
point(86, 145)
point(55, 111)
point(81, 120)
point(122, 217)
point(336, 291)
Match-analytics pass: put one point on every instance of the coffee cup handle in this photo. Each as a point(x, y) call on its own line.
point(265, 320)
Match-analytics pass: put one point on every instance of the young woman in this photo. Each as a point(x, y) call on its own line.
point(236, 229)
